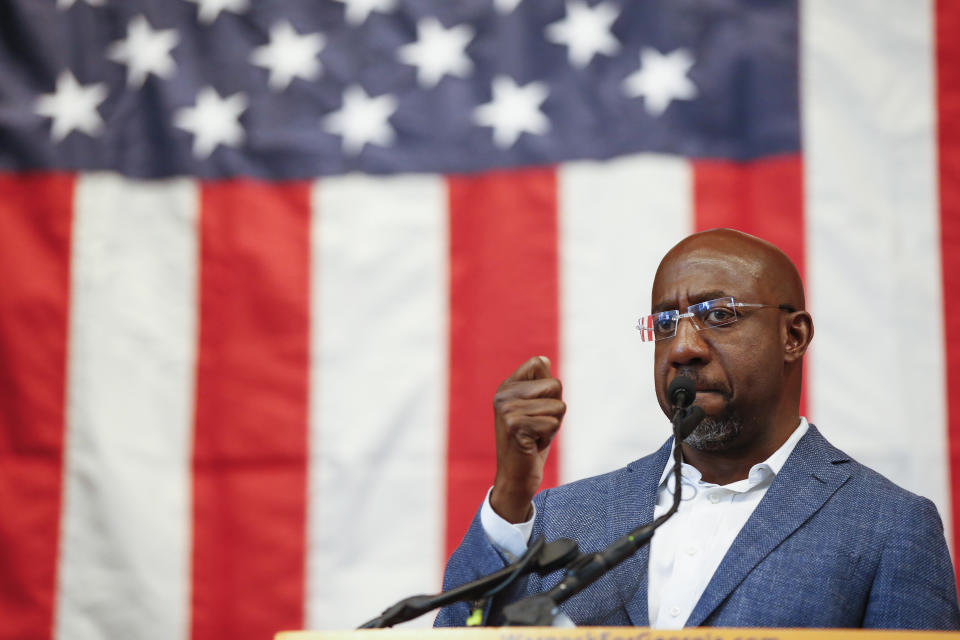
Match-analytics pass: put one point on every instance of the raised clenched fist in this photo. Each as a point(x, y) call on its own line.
point(528, 411)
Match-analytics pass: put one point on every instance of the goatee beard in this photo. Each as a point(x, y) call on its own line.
point(715, 433)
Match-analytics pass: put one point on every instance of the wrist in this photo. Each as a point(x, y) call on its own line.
point(512, 506)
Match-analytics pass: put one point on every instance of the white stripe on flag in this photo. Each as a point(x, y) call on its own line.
point(124, 570)
point(618, 219)
point(378, 396)
point(877, 363)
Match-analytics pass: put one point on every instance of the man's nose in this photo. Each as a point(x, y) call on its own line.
point(688, 344)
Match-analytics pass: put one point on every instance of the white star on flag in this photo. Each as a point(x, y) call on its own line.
point(362, 120)
point(661, 79)
point(212, 121)
point(209, 10)
point(438, 51)
point(289, 55)
point(585, 31)
point(505, 7)
point(357, 11)
point(66, 4)
point(72, 106)
point(513, 110)
point(145, 51)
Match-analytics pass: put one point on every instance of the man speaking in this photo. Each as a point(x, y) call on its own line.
point(776, 527)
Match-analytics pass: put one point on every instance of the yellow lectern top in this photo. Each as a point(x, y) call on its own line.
point(618, 633)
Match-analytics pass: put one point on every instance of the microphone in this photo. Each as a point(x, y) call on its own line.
point(682, 393)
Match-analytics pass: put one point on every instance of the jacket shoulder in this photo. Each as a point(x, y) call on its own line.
point(871, 487)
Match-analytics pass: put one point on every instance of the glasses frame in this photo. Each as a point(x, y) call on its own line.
point(645, 323)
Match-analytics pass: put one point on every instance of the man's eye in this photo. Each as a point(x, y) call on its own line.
point(719, 316)
point(663, 323)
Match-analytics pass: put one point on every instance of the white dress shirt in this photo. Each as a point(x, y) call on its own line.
point(687, 548)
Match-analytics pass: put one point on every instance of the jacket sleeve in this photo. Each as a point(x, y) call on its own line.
point(475, 557)
point(914, 587)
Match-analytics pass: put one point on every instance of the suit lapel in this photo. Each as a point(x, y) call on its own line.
point(634, 506)
point(804, 484)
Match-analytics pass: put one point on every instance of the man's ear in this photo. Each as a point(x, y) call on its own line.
point(798, 332)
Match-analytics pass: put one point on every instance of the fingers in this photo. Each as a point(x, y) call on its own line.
point(533, 434)
point(532, 424)
point(539, 388)
point(534, 368)
point(532, 407)
point(529, 425)
point(532, 379)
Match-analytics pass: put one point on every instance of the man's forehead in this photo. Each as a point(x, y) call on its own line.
point(705, 274)
point(742, 264)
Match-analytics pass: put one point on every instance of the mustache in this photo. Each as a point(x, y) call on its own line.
point(703, 384)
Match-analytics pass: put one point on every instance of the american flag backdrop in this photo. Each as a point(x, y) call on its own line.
point(264, 262)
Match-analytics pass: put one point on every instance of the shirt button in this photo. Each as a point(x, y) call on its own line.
point(714, 498)
point(674, 611)
point(691, 551)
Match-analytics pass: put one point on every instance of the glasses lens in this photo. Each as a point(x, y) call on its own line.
point(715, 313)
point(658, 326)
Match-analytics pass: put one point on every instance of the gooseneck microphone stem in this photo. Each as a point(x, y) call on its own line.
point(541, 609)
point(540, 556)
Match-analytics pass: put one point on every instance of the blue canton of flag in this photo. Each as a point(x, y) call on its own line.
point(302, 88)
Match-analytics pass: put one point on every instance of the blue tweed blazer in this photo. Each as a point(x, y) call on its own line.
point(832, 544)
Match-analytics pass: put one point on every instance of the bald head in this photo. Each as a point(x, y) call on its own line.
point(769, 268)
point(747, 371)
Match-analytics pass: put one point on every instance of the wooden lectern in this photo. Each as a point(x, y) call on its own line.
point(617, 633)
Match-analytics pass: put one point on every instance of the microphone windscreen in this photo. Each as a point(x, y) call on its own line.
point(557, 554)
point(681, 392)
point(686, 424)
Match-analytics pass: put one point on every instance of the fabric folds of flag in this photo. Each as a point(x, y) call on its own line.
point(263, 265)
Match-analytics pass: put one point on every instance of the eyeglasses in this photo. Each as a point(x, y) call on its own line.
point(703, 315)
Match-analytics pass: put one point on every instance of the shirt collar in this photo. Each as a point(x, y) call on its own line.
point(774, 463)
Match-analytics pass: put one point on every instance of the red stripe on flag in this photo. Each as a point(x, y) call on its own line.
point(763, 198)
point(948, 105)
point(35, 225)
point(250, 450)
point(504, 309)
